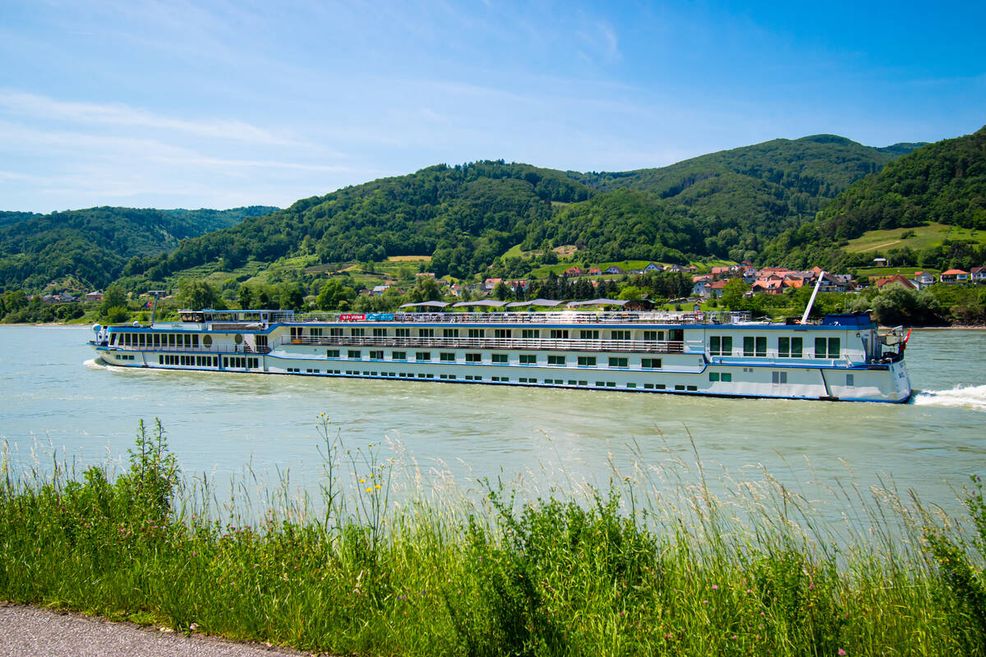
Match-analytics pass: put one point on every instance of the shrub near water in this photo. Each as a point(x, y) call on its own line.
point(555, 577)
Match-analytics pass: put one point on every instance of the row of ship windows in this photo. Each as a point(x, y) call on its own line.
point(787, 347)
point(232, 362)
point(177, 340)
point(298, 332)
point(496, 379)
point(496, 359)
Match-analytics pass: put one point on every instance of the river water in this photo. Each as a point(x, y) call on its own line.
point(54, 399)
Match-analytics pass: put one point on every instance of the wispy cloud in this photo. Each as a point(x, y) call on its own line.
point(34, 107)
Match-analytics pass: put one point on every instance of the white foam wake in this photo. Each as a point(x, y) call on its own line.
point(959, 396)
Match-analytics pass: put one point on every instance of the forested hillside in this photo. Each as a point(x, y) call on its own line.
point(725, 205)
point(464, 215)
point(745, 196)
point(942, 183)
point(94, 245)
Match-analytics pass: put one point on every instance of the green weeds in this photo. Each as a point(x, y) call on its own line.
point(620, 572)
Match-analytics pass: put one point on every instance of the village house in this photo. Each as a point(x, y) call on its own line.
point(614, 270)
point(491, 283)
point(96, 296)
point(653, 267)
point(378, 290)
point(573, 271)
point(922, 279)
point(896, 279)
point(595, 271)
point(978, 275)
point(954, 276)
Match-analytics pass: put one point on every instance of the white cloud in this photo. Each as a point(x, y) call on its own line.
point(33, 106)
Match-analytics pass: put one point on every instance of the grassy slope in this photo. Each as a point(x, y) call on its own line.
point(934, 234)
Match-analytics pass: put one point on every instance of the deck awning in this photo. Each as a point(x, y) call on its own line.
point(598, 302)
point(485, 303)
point(546, 303)
point(425, 304)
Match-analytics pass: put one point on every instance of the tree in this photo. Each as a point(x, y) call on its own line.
point(245, 297)
point(197, 294)
point(733, 294)
point(114, 297)
point(292, 296)
point(333, 295)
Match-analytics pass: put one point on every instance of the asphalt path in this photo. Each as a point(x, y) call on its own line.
point(33, 632)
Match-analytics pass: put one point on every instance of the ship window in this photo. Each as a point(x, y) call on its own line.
point(650, 363)
point(619, 335)
point(398, 355)
point(426, 333)
point(112, 338)
point(207, 340)
point(589, 334)
point(713, 376)
point(778, 377)
point(827, 347)
point(500, 358)
point(379, 333)
point(654, 336)
point(617, 361)
point(354, 354)
point(531, 334)
point(755, 346)
point(376, 355)
point(195, 340)
point(315, 332)
point(474, 358)
point(157, 340)
point(335, 332)
point(631, 385)
point(357, 332)
point(477, 333)
point(447, 356)
point(450, 333)
point(502, 333)
point(850, 380)
point(587, 361)
point(422, 355)
point(402, 332)
point(331, 353)
point(721, 345)
point(790, 347)
point(556, 360)
point(727, 377)
point(559, 334)
point(528, 359)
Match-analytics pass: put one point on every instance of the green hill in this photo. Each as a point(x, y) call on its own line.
point(722, 205)
point(745, 196)
point(939, 184)
point(94, 245)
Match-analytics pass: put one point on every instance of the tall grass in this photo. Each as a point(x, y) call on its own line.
point(624, 571)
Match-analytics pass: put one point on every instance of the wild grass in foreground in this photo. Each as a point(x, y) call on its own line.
point(612, 574)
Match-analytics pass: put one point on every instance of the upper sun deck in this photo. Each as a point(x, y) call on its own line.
point(262, 318)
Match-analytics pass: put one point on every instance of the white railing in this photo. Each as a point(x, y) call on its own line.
point(533, 344)
point(565, 317)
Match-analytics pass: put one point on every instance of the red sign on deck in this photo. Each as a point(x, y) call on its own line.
point(352, 317)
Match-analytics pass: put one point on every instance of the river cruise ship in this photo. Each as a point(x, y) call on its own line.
point(840, 357)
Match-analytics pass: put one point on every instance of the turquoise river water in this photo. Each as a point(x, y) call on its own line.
point(54, 399)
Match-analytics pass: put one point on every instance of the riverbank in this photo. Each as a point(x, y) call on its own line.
point(614, 572)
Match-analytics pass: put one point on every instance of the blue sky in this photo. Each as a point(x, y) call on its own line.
point(221, 104)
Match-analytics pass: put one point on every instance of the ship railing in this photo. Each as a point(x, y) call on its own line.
point(200, 349)
point(564, 317)
point(533, 344)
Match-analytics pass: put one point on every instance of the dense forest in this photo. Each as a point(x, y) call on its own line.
point(94, 245)
point(724, 205)
point(944, 182)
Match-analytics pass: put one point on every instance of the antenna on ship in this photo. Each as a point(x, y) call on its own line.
point(154, 296)
point(811, 301)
